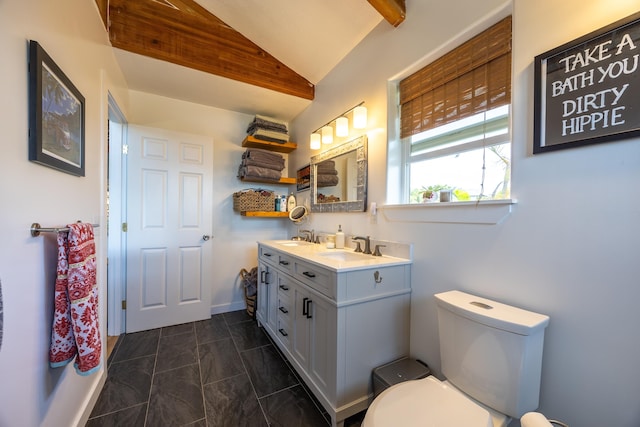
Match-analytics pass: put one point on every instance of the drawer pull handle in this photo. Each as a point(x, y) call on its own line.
point(267, 254)
point(284, 310)
point(284, 263)
point(309, 274)
point(284, 288)
point(283, 332)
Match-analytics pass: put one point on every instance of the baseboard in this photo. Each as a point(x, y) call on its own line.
point(93, 398)
point(225, 308)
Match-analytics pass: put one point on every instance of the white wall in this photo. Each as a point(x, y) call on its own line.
point(32, 394)
point(568, 249)
point(235, 236)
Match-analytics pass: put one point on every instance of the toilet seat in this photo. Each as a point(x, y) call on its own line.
point(427, 402)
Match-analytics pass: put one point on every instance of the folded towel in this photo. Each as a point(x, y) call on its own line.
point(270, 135)
point(75, 331)
point(266, 119)
point(262, 155)
point(328, 167)
point(258, 157)
point(326, 180)
point(326, 171)
point(269, 165)
point(260, 123)
point(259, 172)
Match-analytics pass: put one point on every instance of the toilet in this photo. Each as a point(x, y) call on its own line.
point(491, 357)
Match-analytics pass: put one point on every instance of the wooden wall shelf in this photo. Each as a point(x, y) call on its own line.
point(251, 142)
point(266, 214)
point(283, 180)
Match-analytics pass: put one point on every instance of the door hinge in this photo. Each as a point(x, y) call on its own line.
point(125, 227)
point(125, 149)
point(124, 304)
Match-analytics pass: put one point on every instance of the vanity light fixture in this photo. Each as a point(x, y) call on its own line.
point(314, 143)
point(325, 132)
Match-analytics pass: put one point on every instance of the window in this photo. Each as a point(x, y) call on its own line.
point(454, 122)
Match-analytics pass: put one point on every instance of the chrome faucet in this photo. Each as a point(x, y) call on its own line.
point(367, 244)
point(310, 235)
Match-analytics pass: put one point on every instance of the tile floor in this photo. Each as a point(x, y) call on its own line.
point(224, 371)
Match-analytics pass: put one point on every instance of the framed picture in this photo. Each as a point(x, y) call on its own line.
point(56, 115)
point(588, 90)
point(303, 178)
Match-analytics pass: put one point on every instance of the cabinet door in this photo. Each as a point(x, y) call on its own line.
point(301, 316)
point(322, 345)
point(314, 338)
point(264, 273)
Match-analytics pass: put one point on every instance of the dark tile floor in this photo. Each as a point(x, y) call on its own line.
point(224, 371)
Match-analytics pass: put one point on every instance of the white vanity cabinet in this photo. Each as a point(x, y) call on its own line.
point(334, 325)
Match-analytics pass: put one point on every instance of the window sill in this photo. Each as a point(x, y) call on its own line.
point(487, 212)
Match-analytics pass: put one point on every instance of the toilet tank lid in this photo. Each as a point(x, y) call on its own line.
point(492, 313)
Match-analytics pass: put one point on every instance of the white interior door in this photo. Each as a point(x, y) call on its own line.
point(169, 221)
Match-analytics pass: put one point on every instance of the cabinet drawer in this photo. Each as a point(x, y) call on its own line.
point(268, 255)
point(316, 277)
point(365, 283)
point(285, 262)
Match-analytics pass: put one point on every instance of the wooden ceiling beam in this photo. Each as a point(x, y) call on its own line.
point(184, 33)
point(394, 11)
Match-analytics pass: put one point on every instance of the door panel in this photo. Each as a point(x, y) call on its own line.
point(169, 211)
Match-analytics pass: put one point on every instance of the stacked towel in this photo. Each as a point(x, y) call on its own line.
point(261, 164)
point(75, 331)
point(326, 174)
point(268, 129)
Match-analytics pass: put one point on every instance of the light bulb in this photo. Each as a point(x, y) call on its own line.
point(360, 117)
point(327, 135)
point(314, 143)
point(342, 126)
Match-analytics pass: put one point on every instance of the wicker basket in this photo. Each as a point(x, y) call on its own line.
point(250, 287)
point(254, 200)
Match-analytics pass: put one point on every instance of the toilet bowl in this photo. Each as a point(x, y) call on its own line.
point(429, 402)
point(491, 355)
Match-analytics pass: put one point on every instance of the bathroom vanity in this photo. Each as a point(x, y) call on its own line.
point(336, 315)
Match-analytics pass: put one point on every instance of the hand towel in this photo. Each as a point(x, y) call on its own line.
point(75, 331)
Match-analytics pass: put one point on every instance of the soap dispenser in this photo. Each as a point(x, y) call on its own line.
point(339, 238)
point(291, 202)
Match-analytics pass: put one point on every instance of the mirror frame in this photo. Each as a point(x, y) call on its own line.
point(359, 145)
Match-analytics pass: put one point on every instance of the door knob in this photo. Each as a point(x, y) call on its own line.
point(206, 237)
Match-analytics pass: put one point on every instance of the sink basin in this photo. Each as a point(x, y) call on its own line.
point(293, 243)
point(344, 256)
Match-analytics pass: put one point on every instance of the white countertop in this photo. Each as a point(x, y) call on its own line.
point(339, 260)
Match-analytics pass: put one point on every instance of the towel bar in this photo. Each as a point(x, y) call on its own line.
point(36, 229)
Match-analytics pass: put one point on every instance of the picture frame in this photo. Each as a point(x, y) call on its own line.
point(587, 91)
point(303, 178)
point(56, 115)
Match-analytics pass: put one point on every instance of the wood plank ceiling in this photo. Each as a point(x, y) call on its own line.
point(184, 33)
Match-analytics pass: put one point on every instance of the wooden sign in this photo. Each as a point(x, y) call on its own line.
point(588, 90)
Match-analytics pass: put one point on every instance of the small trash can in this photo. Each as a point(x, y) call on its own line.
point(398, 371)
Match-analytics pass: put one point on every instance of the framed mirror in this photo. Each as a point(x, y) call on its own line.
point(339, 178)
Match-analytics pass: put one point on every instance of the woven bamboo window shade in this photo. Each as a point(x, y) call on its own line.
point(472, 78)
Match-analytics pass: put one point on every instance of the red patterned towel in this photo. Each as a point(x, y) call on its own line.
point(75, 329)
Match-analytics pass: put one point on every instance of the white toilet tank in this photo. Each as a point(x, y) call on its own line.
point(491, 351)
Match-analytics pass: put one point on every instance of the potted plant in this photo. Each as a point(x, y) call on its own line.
point(430, 193)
